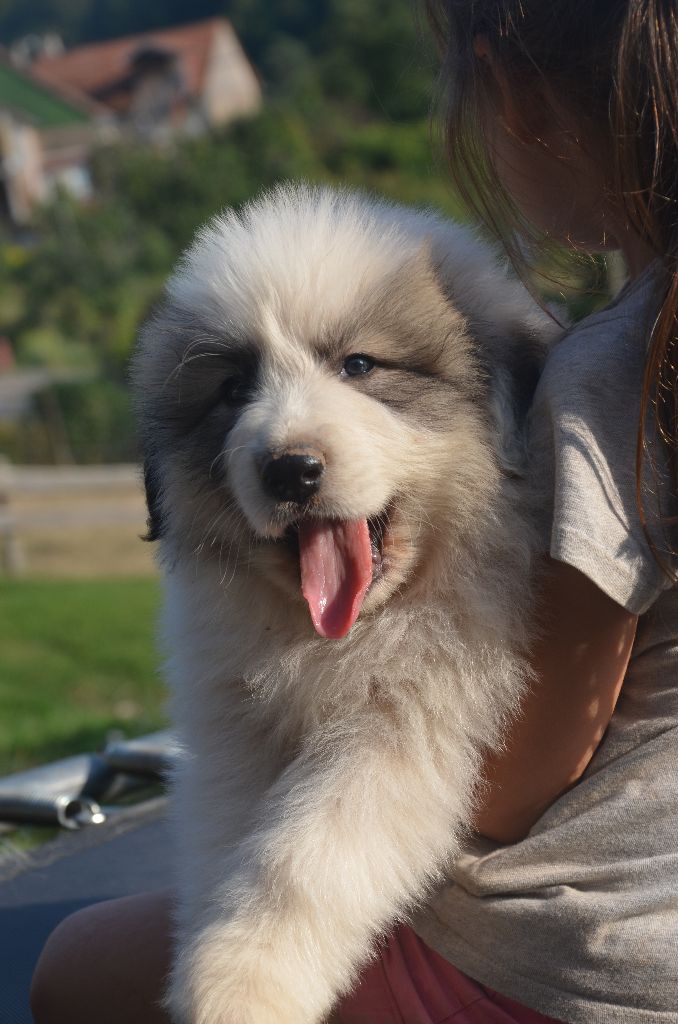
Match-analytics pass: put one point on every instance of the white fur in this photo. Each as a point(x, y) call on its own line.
point(327, 783)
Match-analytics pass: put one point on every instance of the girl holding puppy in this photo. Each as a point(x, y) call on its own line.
point(562, 126)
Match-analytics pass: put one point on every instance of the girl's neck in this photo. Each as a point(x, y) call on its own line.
point(637, 253)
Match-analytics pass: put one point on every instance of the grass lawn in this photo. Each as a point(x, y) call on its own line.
point(77, 659)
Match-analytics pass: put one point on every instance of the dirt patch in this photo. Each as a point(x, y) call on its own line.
point(106, 551)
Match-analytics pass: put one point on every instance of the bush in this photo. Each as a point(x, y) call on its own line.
point(98, 420)
point(82, 421)
point(45, 345)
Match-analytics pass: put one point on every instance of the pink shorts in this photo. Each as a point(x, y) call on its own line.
point(411, 984)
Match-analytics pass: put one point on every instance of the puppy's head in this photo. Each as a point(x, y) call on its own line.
point(314, 400)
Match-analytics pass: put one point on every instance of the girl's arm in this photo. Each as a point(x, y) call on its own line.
point(580, 660)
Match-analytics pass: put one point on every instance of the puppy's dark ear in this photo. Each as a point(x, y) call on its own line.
point(513, 365)
point(155, 520)
point(524, 361)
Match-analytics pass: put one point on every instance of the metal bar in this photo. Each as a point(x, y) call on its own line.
point(70, 792)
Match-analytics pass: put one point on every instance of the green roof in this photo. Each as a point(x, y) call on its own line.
point(43, 108)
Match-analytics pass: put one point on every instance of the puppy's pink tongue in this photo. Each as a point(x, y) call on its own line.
point(336, 570)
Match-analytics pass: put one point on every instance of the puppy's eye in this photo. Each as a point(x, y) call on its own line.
point(356, 365)
point(235, 390)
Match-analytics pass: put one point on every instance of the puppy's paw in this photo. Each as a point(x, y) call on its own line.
point(221, 978)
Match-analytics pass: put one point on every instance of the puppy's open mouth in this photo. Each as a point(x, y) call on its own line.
point(338, 562)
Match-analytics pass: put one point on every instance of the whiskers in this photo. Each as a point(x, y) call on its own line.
point(223, 455)
point(190, 355)
point(406, 511)
point(423, 517)
point(223, 537)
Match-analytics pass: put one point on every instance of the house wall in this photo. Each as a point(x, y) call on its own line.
point(231, 88)
point(22, 171)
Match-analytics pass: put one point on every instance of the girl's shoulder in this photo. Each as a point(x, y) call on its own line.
point(584, 425)
point(610, 345)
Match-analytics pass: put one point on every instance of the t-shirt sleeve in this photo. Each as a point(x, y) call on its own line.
point(583, 430)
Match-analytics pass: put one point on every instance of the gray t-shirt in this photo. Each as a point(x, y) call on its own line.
point(580, 919)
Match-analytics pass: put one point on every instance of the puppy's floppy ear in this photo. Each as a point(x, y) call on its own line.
point(513, 366)
point(156, 520)
point(523, 360)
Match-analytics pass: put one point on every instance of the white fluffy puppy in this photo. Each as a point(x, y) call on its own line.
point(328, 399)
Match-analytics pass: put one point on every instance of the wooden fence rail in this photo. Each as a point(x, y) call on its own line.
point(39, 498)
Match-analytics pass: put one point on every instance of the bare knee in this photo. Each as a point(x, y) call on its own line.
point(57, 988)
point(106, 963)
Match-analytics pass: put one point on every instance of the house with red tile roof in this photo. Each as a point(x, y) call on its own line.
point(46, 135)
point(179, 80)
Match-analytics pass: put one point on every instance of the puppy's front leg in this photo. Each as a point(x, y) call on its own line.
point(231, 762)
point(348, 836)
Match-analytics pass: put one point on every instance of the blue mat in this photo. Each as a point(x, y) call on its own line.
point(129, 854)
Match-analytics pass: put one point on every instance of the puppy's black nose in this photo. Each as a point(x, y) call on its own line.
point(292, 476)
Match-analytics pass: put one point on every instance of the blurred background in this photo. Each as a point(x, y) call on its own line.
point(122, 127)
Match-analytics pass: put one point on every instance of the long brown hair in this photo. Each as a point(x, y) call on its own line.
point(616, 63)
